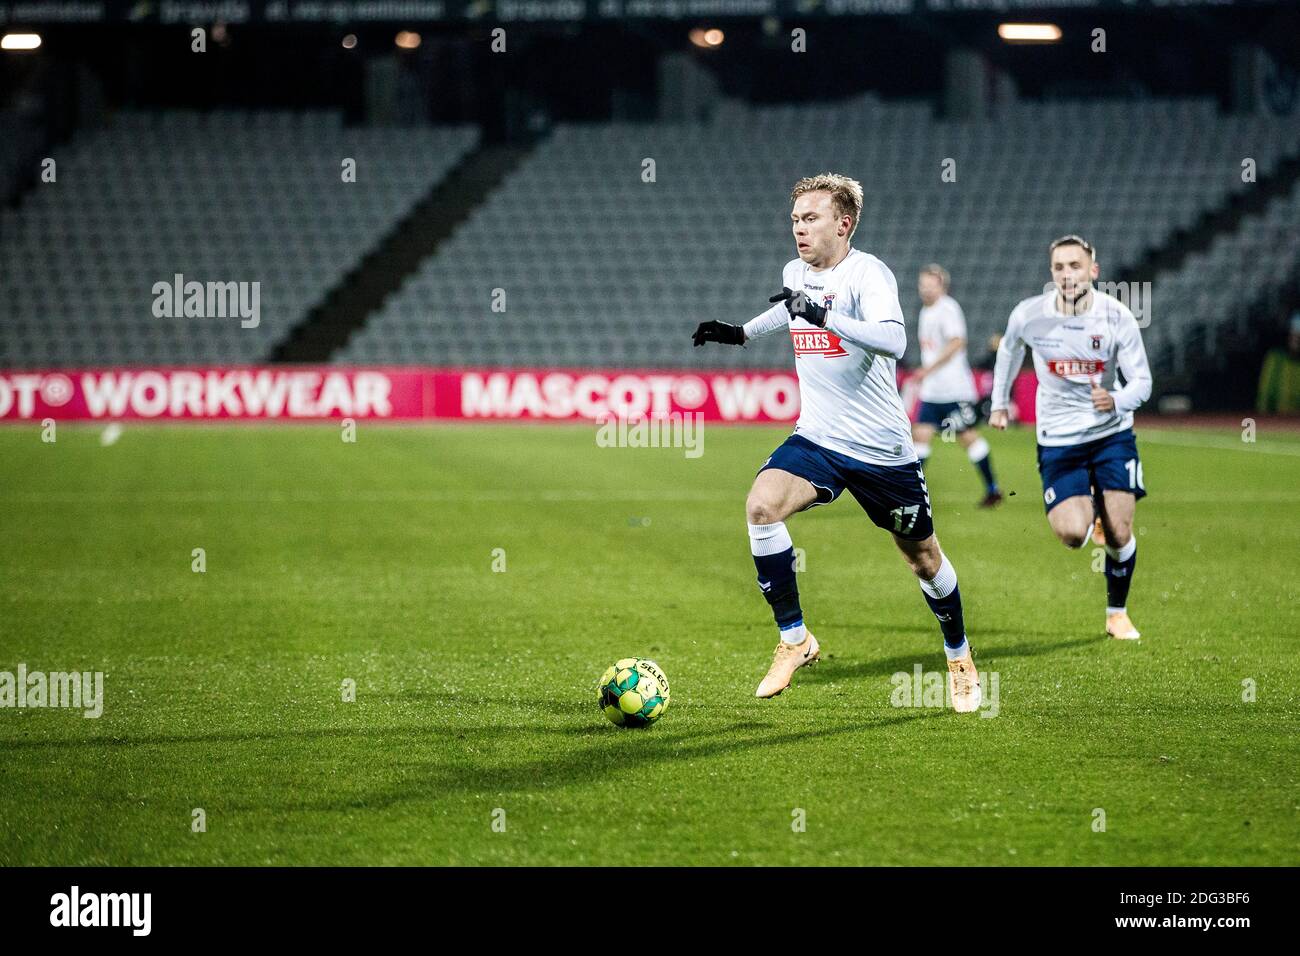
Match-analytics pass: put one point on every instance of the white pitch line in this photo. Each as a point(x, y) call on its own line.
point(1227, 498)
point(1221, 444)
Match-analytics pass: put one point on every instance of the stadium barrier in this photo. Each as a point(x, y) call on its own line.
point(305, 393)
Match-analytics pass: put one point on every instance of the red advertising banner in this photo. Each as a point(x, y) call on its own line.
point(305, 393)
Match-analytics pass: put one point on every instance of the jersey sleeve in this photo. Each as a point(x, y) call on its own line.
point(881, 330)
point(775, 318)
point(954, 323)
point(1011, 355)
point(1131, 356)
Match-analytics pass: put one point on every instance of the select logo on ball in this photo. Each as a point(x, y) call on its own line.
point(633, 692)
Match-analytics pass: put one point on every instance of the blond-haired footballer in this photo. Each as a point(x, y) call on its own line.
point(840, 306)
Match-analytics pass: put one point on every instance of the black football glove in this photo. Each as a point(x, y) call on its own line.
point(719, 332)
point(801, 307)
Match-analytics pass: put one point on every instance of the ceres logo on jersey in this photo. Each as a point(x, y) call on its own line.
point(1069, 368)
point(817, 342)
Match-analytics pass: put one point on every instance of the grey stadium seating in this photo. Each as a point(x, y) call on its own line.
point(597, 265)
point(223, 196)
point(601, 267)
point(1218, 288)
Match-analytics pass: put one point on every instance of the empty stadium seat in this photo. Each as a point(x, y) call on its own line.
point(224, 196)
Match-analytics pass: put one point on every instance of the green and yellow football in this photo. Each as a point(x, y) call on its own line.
point(633, 693)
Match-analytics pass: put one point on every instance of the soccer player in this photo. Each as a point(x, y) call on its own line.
point(841, 308)
point(1087, 455)
point(947, 386)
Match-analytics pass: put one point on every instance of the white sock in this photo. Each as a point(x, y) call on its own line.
point(1115, 610)
point(1124, 553)
point(944, 581)
point(978, 450)
point(941, 585)
point(794, 634)
point(769, 538)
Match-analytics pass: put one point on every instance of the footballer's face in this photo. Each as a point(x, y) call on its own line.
point(819, 235)
point(1073, 271)
point(929, 288)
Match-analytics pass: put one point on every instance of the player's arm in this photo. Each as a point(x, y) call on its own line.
point(1011, 355)
point(762, 324)
point(952, 348)
point(1131, 356)
point(770, 321)
point(881, 332)
point(954, 330)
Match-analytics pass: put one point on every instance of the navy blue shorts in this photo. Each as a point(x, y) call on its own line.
point(1105, 464)
point(961, 414)
point(894, 497)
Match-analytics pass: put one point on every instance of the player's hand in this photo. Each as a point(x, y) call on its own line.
point(801, 307)
point(1102, 400)
point(998, 419)
point(719, 332)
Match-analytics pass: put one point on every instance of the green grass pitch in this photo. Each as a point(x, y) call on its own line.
point(475, 737)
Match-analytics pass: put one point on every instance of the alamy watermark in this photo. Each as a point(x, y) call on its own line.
point(129, 910)
point(922, 688)
point(1134, 296)
point(82, 690)
point(179, 299)
point(674, 430)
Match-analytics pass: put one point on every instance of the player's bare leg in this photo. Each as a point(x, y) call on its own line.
point(1071, 520)
point(1118, 509)
point(977, 450)
point(775, 496)
point(938, 582)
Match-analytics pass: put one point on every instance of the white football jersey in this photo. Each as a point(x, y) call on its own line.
point(952, 381)
point(848, 390)
point(1070, 354)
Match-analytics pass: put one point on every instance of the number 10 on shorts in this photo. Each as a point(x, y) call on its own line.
point(1135, 474)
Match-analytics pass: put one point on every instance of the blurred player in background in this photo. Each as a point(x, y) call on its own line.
point(1087, 454)
point(948, 395)
point(840, 307)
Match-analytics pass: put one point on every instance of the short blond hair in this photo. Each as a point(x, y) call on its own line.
point(938, 271)
point(846, 194)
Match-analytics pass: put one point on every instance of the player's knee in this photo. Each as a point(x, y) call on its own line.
point(924, 560)
point(926, 566)
point(1119, 535)
point(762, 509)
point(1073, 538)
